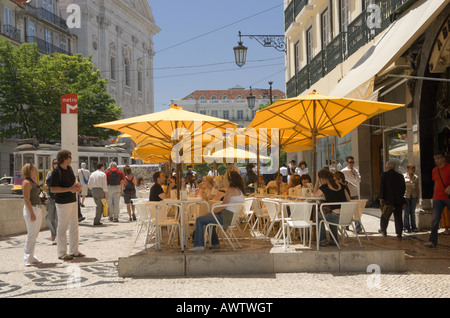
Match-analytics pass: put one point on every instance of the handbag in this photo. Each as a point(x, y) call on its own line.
point(439, 171)
point(42, 195)
point(105, 207)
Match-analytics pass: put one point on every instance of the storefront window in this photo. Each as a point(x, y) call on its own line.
point(397, 146)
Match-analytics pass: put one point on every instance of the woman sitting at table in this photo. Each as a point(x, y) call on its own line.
point(294, 183)
point(272, 186)
point(305, 181)
point(333, 192)
point(220, 188)
point(205, 188)
point(235, 194)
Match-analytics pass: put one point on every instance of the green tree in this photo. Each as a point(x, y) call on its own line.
point(31, 87)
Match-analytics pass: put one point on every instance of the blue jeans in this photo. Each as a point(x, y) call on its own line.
point(52, 217)
point(114, 201)
point(438, 207)
point(409, 214)
point(200, 223)
point(330, 217)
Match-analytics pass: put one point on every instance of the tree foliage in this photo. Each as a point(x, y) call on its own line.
point(31, 87)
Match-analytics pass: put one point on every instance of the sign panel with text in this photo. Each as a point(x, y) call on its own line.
point(69, 104)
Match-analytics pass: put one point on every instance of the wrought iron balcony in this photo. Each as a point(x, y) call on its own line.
point(10, 31)
point(43, 14)
point(46, 47)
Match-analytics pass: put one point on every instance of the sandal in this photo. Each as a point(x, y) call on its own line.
point(66, 257)
point(78, 255)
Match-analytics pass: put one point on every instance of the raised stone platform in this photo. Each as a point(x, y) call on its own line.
point(255, 257)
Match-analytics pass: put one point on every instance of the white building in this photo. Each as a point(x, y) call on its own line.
point(228, 104)
point(119, 36)
point(380, 50)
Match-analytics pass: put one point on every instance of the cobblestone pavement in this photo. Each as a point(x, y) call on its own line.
point(96, 275)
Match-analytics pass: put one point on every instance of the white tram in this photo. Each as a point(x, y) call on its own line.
point(42, 155)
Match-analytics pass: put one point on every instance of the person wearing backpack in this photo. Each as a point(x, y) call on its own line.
point(115, 180)
point(129, 191)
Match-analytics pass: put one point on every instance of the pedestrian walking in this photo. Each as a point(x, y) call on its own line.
point(441, 195)
point(65, 186)
point(391, 195)
point(99, 187)
point(52, 218)
point(115, 179)
point(129, 192)
point(83, 176)
point(32, 212)
point(411, 195)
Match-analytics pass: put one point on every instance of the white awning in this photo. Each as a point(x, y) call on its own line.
point(392, 44)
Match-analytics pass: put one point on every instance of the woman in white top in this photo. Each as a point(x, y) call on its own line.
point(302, 168)
point(234, 194)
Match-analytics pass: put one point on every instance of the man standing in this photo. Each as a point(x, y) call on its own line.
point(391, 195)
point(115, 179)
point(353, 177)
point(212, 172)
point(441, 196)
point(156, 192)
point(98, 185)
point(83, 176)
point(250, 178)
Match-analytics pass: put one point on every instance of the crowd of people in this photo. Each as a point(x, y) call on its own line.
point(398, 195)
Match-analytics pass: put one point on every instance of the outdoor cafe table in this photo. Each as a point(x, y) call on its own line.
point(182, 204)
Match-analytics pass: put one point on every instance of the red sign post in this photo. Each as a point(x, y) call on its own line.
point(69, 104)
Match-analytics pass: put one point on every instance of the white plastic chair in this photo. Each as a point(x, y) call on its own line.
point(348, 210)
point(208, 230)
point(358, 214)
point(274, 210)
point(143, 217)
point(158, 219)
point(300, 218)
point(261, 217)
point(249, 213)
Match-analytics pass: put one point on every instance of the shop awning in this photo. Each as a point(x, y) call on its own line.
point(393, 43)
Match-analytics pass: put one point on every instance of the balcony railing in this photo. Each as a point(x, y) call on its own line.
point(341, 47)
point(48, 16)
point(10, 31)
point(46, 47)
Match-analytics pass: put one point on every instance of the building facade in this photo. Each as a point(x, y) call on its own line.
point(119, 36)
point(393, 51)
point(40, 22)
point(228, 104)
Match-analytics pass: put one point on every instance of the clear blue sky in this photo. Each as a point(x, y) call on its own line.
point(194, 49)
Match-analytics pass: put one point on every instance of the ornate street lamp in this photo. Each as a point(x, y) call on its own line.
point(251, 100)
point(275, 41)
point(240, 53)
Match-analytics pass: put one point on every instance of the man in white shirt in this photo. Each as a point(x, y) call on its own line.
point(212, 172)
point(353, 177)
point(98, 184)
point(83, 176)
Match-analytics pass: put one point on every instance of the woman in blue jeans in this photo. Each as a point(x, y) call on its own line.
point(234, 194)
point(411, 195)
point(333, 192)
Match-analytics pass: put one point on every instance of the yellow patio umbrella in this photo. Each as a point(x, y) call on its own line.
point(158, 128)
point(304, 119)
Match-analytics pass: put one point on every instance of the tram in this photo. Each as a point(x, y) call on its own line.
point(43, 154)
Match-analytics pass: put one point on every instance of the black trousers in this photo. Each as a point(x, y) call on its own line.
point(386, 212)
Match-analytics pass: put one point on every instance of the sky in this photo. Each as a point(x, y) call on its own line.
point(194, 49)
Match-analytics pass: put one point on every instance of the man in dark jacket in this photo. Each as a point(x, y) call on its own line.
point(391, 195)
